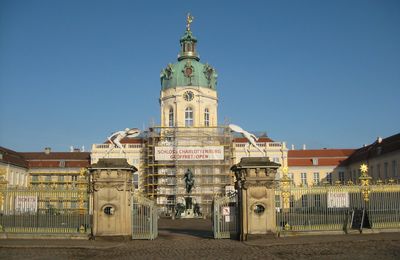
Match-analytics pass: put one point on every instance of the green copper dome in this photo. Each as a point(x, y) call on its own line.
point(188, 71)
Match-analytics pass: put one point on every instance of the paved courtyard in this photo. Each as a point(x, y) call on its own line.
point(192, 239)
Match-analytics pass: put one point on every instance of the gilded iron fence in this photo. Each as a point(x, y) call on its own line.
point(226, 217)
point(144, 218)
point(329, 208)
point(45, 210)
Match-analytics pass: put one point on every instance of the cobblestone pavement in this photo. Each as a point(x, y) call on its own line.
point(188, 239)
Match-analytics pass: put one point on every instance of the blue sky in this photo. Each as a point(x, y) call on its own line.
point(322, 73)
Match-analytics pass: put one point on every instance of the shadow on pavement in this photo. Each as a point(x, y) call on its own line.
point(181, 228)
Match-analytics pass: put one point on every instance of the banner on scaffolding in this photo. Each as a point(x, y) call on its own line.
point(189, 153)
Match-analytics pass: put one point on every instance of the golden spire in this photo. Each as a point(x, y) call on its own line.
point(189, 20)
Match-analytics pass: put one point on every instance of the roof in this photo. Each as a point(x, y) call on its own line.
point(58, 164)
point(260, 140)
point(43, 160)
point(188, 71)
point(320, 157)
point(12, 157)
point(56, 156)
point(57, 159)
point(320, 153)
point(387, 145)
point(200, 75)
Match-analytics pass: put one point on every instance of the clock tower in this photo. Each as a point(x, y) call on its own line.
point(188, 88)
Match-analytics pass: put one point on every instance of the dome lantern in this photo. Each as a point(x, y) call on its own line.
point(188, 42)
point(188, 71)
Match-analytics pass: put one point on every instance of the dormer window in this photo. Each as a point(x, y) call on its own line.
point(62, 163)
point(315, 161)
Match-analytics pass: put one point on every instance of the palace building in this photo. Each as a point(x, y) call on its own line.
point(189, 138)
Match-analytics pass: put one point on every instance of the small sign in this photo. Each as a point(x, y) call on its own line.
point(226, 211)
point(26, 204)
point(360, 219)
point(338, 200)
point(227, 219)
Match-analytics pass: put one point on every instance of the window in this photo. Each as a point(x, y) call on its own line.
point(316, 178)
point(171, 117)
point(277, 201)
point(341, 177)
point(206, 117)
point(47, 202)
point(62, 163)
point(74, 177)
point(61, 178)
point(329, 177)
point(304, 201)
point(303, 178)
point(73, 203)
point(35, 178)
point(315, 161)
point(48, 178)
point(188, 117)
point(378, 169)
point(385, 170)
point(317, 200)
point(290, 175)
point(60, 203)
point(394, 168)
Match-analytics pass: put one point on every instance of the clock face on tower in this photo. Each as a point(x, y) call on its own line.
point(188, 95)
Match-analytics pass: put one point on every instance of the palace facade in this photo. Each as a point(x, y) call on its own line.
point(190, 138)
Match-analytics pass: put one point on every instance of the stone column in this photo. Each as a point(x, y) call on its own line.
point(256, 192)
point(111, 184)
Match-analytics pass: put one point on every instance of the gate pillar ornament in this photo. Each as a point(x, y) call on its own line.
point(285, 188)
point(365, 182)
point(255, 183)
point(111, 187)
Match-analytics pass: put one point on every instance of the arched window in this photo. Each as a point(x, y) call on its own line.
point(206, 117)
point(171, 117)
point(188, 116)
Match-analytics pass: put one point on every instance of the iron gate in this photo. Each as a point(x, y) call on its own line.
point(225, 217)
point(144, 218)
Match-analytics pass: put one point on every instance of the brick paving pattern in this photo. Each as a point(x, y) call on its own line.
point(192, 239)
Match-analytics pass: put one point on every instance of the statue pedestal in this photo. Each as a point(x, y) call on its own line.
point(188, 213)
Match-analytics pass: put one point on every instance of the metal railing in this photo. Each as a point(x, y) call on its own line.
point(226, 217)
point(330, 208)
point(144, 218)
point(44, 210)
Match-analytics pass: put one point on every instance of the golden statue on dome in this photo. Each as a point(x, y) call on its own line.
point(189, 20)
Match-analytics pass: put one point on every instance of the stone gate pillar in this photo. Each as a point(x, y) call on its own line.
point(111, 184)
point(255, 185)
